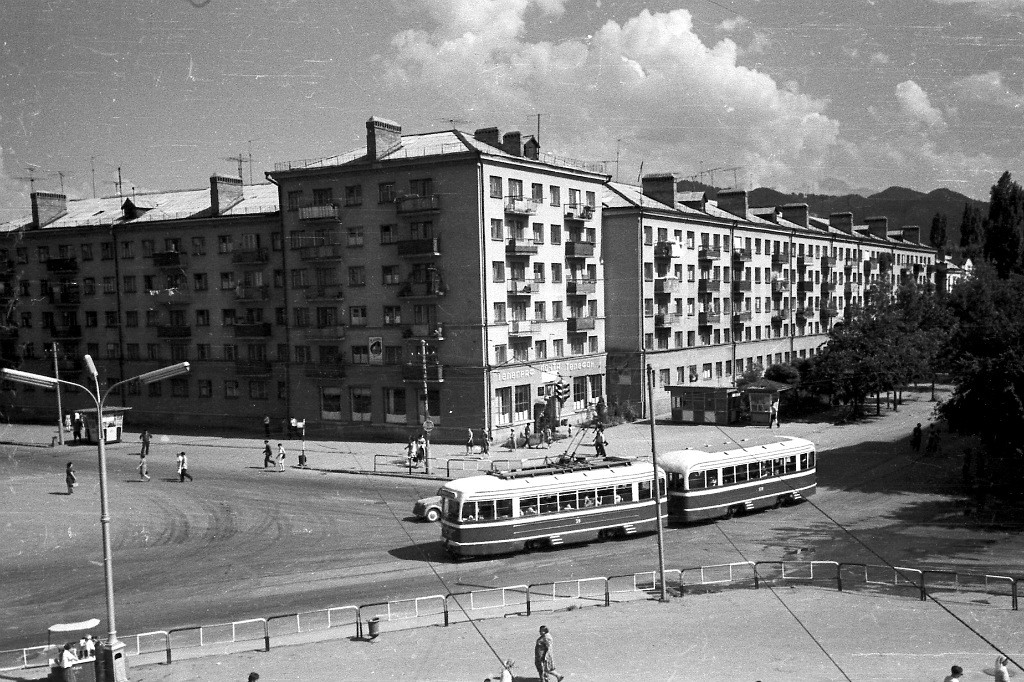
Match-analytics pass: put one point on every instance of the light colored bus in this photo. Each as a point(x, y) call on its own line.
point(531, 509)
point(705, 485)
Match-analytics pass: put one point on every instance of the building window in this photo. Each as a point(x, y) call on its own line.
point(132, 351)
point(179, 387)
point(152, 351)
point(86, 253)
point(555, 193)
point(130, 284)
point(354, 195)
point(257, 389)
point(386, 193)
point(91, 319)
point(300, 278)
point(225, 244)
point(357, 316)
point(500, 354)
point(392, 314)
point(227, 281)
point(361, 404)
point(357, 276)
point(556, 273)
point(205, 387)
point(294, 197)
point(231, 389)
point(127, 249)
point(495, 187)
point(324, 196)
point(111, 318)
point(109, 285)
point(301, 317)
point(499, 313)
point(395, 405)
point(202, 318)
point(390, 274)
point(497, 229)
point(355, 236)
point(203, 351)
point(388, 234)
point(498, 271)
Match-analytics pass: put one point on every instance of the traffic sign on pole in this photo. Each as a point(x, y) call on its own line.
point(428, 425)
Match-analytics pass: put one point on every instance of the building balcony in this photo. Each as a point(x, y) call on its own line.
point(521, 205)
point(780, 286)
point(804, 313)
point(579, 249)
point(740, 286)
point(580, 212)
point(665, 250)
point(870, 264)
point(780, 316)
point(667, 285)
point(324, 370)
point(801, 261)
point(708, 286)
point(741, 317)
point(829, 311)
point(417, 204)
point(415, 371)
point(253, 368)
point(319, 212)
point(709, 253)
point(580, 287)
point(62, 265)
point(420, 248)
point(828, 263)
point(258, 256)
point(780, 259)
point(849, 289)
point(828, 287)
point(329, 292)
point(322, 252)
point(580, 324)
point(667, 319)
point(327, 332)
point(520, 287)
point(170, 296)
point(708, 319)
point(422, 290)
point(251, 292)
point(742, 255)
point(520, 246)
point(523, 327)
point(173, 331)
point(252, 330)
point(416, 332)
point(72, 331)
point(71, 297)
point(804, 286)
point(170, 259)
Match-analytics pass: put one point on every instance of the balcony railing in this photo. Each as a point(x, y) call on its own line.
point(173, 331)
point(578, 212)
point(849, 289)
point(422, 290)
point(171, 296)
point(804, 286)
point(418, 331)
point(580, 324)
point(70, 298)
point(62, 265)
point(319, 212)
point(741, 317)
point(665, 249)
point(780, 316)
point(418, 204)
point(325, 370)
point(828, 263)
point(322, 252)
point(414, 371)
point(707, 286)
point(520, 246)
point(780, 258)
point(252, 330)
point(741, 255)
point(579, 249)
point(580, 287)
point(667, 285)
point(520, 287)
point(325, 332)
point(329, 292)
point(708, 319)
point(667, 319)
point(709, 253)
point(829, 311)
point(251, 256)
point(740, 286)
point(522, 327)
point(170, 259)
point(250, 292)
point(521, 205)
point(803, 313)
point(828, 287)
point(252, 368)
point(417, 248)
point(780, 286)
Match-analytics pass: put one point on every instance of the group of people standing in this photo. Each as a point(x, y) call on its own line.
point(543, 660)
point(269, 459)
point(931, 443)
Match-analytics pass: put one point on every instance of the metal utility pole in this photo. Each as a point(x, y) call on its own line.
point(428, 425)
point(60, 409)
point(663, 596)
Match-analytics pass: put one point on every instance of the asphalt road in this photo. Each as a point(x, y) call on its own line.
point(242, 542)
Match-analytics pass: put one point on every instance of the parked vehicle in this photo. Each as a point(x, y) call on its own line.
point(428, 508)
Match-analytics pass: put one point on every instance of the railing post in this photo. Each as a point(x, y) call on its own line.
point(607, 592)
point(839, 577)
point(446, 610)
point(266, 633)
point(528, 606)
point(924, 592)
point(1014, 599)
point(167, 646)
point(359, 622)
point(757, 584)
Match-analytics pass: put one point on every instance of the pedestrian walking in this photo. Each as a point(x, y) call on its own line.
point(70, 478)
point(183, 467)
point(543, 656)
point(931, 448)
point(600, 442)
point(421, 448)
point(77, 428)
point(410, 452)
point(68, 658)
point(485, 442)
point(915, 438)
point(956, 673)
point(512, 439)
point(266, 426)
point(469, 443)
point(280, 456)
point(547, 435)
point(143, 467)
point(268, 454)
point(526, 436)
point(145, 437)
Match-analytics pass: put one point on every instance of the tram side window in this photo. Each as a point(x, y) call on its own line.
point(661, 488)
point(779, 466)
point(675, 482)
point(712, 478)
point(624, 492)
point(810, 459)
point(695, 481)
point(644, 488)
point(469, 511)
point(528, 506)
point(741, 473)
point(503, 508)
point(605, 496)
point(450, 508)
point(791, 464)
point(548, 504)
point(803, 460)
point(567, 501)
point(485, 510)
point(728, 475)
point(754, 469)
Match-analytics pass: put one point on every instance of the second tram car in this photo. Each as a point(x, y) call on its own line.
point(530, 509)
point(705, 485)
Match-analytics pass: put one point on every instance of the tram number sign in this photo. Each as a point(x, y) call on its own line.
point(428, 425)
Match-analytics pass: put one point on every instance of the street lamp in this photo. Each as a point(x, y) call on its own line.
point(111, 652)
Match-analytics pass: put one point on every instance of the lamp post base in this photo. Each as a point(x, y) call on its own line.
point(111, 662)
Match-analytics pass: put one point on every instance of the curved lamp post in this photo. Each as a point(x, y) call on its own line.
point(111, 652)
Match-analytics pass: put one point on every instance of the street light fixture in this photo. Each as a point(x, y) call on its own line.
point(111, 652)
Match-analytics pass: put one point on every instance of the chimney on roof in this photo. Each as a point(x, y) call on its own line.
point(841, 221)
point(382, 137)
point(489, 136)
point(796, 213)
point(225, 192)
point(531, 148)
point(733, 201)
point(769, 213)
point(47, 207)
point(877, 226)
point(912, 234)
point(512, 143)
point(661, 187)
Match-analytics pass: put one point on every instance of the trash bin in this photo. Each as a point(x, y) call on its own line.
point(373, 626)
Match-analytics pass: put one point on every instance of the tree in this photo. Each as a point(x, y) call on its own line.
point(938, 236)
point(971, 231)
point(1003, 234)
point(750, 375)
point(784, 374)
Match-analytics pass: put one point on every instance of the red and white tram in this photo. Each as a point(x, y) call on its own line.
point(504, 512)
point(705, 485)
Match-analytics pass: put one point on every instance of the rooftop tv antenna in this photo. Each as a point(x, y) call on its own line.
point(240, 160)
point(453, 122)
point(30, 178)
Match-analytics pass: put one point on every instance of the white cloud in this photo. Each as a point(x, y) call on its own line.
point(915, 104)
point(989, 88)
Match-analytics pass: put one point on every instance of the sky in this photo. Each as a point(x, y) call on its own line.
point(800, 95)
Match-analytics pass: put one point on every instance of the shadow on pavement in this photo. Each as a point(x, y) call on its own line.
point(424, 551)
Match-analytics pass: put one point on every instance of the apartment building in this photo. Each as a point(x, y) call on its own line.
point(724, 286)
point(446, 275)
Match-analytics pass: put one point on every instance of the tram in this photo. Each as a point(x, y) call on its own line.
point(706, 485)
point(531, 509)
